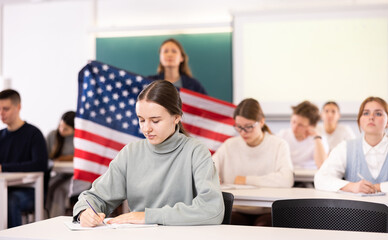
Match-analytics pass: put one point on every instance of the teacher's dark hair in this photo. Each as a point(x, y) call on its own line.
point(166, 95)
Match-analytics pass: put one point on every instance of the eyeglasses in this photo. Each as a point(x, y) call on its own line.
point(246, 129)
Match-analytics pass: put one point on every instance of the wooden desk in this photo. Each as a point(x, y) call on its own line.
point(23, 179)
point(304, 175)
point(264, 197)
point(55, 229)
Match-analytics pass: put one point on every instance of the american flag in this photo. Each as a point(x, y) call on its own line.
point(106, 119)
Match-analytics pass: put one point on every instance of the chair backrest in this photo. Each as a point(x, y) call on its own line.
point(331, 214)
point(228, 202)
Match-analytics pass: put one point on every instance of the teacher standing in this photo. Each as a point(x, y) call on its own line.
point(174, 67)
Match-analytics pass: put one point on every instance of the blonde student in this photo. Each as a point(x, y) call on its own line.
point(255, 157)
point(168, 178)
point(360, 165)
point(334, 131)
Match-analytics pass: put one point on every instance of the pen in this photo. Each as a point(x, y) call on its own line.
point(94, 210)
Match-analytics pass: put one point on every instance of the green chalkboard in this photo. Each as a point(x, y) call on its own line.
point(210, 57)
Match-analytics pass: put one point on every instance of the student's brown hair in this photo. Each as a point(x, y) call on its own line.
point(250, 108)
point(166, 95)
point(308, 110)
point(68, 119)
point(12, 95)
point(381, 101)
point(184, 65)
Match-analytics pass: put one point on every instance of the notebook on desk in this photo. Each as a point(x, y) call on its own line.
point(236, 186)
point(363, 194)
point(76, 226)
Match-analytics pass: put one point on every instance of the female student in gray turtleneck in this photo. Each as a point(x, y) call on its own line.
point(167, 178)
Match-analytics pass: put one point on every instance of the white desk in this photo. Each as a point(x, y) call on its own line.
point(63, 167)
point(304, 175)
point(55, 229)
point(264, 197)
point(25, 179)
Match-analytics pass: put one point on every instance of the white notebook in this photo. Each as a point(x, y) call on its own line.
point(76, 226)
point(363, 194)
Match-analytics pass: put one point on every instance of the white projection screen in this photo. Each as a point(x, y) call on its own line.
point(283, 58)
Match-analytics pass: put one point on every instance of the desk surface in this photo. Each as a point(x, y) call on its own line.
point(54, 228)
point(264, 197)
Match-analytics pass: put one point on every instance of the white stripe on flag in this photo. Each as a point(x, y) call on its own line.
point(208, 124)
point(89, 166)
point(105, 132)
point(206, 104)
point(213, 145)
point(95, 148)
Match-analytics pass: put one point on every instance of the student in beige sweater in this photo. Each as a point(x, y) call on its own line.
point(255, 157)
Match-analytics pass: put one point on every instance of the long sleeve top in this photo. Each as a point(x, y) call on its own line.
point(187, 82)
point(266, 165)
point(341, 133)
point(174, 182)
point(330, 175)
point(23, 150)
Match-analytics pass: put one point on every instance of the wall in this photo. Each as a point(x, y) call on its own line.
point(45, 44)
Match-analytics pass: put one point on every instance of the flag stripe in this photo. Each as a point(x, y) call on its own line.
point(103, 131)
point(89, 166)
point(92, 157)
point(89, 146)
point(98, 139)
point(210, 115)
point(85, 175)
point(210, 99)
point(205, 133)
point(190, 98)
point(208, 124)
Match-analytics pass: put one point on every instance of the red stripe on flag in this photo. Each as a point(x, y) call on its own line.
point(106, 142)
point(78, 153)
point(205, 133)
point(207, 97)
point(86, 176)
point(207, 114)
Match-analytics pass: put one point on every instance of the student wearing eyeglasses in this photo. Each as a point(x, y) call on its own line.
point(308, 148)
point(360, 165)
point(255, 157)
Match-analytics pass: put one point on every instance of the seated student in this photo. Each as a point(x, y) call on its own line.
point(360, 165)
point(331, 129)
point(256, 157)
point(167, 178)
point(60, 147)
point(308, 148)
point(22, 149)
point(174, 67)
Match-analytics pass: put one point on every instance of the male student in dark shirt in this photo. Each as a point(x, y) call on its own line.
point(22, 149)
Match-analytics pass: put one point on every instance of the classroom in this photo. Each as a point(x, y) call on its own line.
point(285, 54)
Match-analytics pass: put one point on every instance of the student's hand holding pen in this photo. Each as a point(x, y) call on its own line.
point(132, 217)
point(89, 218)
point(362, 186)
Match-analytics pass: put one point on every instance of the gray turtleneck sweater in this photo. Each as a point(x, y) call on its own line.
point(174, 182)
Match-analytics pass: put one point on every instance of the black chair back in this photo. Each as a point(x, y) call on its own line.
point(331, 214)
point(228, 202)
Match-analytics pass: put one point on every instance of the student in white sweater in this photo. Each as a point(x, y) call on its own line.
point(331, 129)
point(360, 165)
point(255, 157)
point(308, 148)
